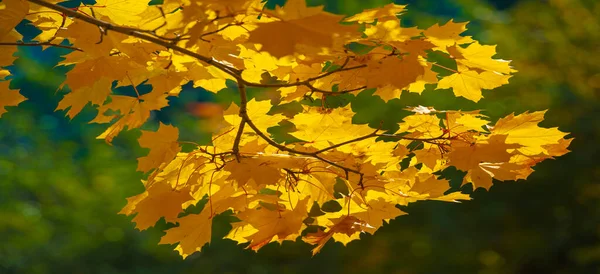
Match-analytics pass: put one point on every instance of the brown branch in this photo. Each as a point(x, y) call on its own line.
point(219, 30)
point(244, 115)
point(326, 92)
point(62, 25)
point(307, 81)
point(39, 44)
point(441, 137)
point(162, 13)
point(373, 134)
point(238, 138)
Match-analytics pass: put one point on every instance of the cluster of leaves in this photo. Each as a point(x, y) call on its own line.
point(337, 179)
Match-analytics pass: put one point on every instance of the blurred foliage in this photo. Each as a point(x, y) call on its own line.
point(61, 188)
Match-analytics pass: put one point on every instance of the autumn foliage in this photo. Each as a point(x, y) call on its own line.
point(340, 178)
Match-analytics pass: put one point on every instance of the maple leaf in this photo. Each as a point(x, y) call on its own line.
point(300, 26)
point(274, 224)
point(523, 129)
point(421, 125)
point(348, 225)
point(318, 129)
point(102, 71)
point(160, 200)
point(163, 147)
point(193, 232)
point(389, 31)
point(134, 112)
point(118, 11)
point(258, 171)
point(397, 72)
point(447, 34)
point(77, 99)
point(470, 157)
point(430, 185)
point(469, 83)
point(11, 14)
point(380, 211)
point(6, 57)
point(8, 97)
point(370, 15)
point(479, 56)
point(428, 157)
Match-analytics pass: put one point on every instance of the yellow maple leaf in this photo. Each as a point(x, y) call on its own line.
point(348, 226)
point(8, 97)
point(469, 83)
point(428, 156)
point(12, 12)
point(319, 129)
point(399, 73)
point(274, 225)
point(430, 185)
point(388, 92)
point(6, 55)
point(257, 111)
point(301, 26)
point(480, 57)
point(447, 34)
point(255, 170)
point(380, 211)
point(134, 112)
point(421, 125)
point(160, 200)
point(428, 77)
point(471, 122)
point(389, 30)
point(370, 15)
point(469, 158)
point(118, 11)
point(77, 99)
point(523, 130)
point(47, 21)
point(193, 232)
point(163, 147)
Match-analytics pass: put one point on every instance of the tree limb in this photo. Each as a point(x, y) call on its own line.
point(169, 43)
point(39, 44)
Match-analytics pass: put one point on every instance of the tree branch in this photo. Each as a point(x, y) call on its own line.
point(39, 44)
point(169, 43)
point(219, 30)
point(244, 115)
point(374, 134)
point(307, 81)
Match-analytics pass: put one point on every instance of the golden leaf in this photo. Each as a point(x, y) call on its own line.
point(469, 83)
point(163, 147)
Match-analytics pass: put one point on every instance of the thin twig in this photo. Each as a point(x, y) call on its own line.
point(39, 44)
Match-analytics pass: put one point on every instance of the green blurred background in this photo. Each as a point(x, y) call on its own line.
point(61, 189)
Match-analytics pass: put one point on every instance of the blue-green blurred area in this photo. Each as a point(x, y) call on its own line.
point(61, 189)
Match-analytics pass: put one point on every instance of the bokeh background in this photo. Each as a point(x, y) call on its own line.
point(61, 189)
